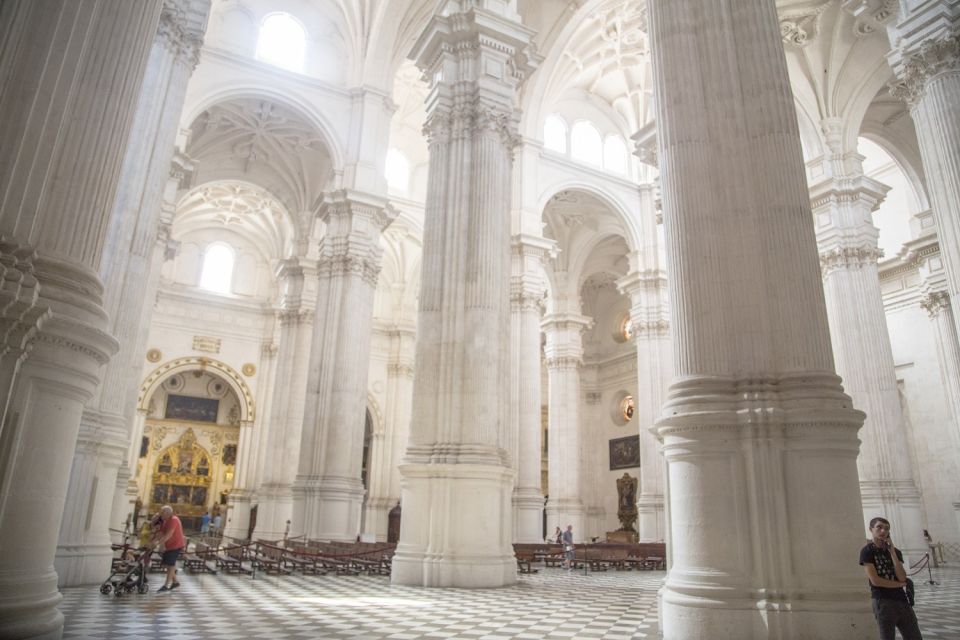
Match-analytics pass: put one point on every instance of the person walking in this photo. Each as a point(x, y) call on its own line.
point(568, 547)
point(171, 542)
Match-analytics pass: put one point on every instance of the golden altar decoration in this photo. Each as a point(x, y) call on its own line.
point(182, 477)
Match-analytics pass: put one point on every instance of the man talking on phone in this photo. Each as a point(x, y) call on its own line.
point(883, 563)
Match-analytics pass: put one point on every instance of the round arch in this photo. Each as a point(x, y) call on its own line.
point(190, 363)
point(631, 232)
point(288, 99)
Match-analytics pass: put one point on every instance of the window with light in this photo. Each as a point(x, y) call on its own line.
point(615, 154)
point(585, 143)
point(282, 42)
point(217, 273)
point(555, 134)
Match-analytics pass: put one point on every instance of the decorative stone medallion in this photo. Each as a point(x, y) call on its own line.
point(249, 369)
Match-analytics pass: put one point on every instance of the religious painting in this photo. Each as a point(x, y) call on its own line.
point(160, 493)
point(191, 408)
point(625, 452)
point(199, 497)
point(229, 454)
point(144, 446)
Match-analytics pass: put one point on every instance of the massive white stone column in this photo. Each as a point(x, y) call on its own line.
point(84, 546)
point(281, 430)
point(842, 207)
point(328, 492)
point(565, 449)
point(457, 477)
point(72, 75)
point(756, 428)
point(928, 67)
point(650, 326)
point(527, 291)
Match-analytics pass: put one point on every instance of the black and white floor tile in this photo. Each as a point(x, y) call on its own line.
point(550, 604)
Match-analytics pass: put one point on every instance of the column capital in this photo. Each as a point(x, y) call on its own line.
point(935, 302)
point(351, 244)
point(181, 28)
point(645, 144)
point(929, 59)
point(21, 315)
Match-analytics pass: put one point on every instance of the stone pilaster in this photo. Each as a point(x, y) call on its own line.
point(565, 450)
point(527, 292)
point(938, 307)
point(78, 68)
point(842, 207)
point(928, 70)
point(388, 445)
point(281, 430)
point(130, 275)
point(328, 492)
point(650, 329)
point(457, 470)
point(756, 428)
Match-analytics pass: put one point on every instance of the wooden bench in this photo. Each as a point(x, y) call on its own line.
point(524, 562)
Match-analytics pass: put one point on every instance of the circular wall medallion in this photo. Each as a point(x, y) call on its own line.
point(154, 355)
point(216, 388)
point(249, 369)
point(174, 382)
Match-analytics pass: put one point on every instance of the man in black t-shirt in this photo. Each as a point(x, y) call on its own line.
point(883, 563)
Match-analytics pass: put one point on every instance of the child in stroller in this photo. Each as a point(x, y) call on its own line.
point(129, 571)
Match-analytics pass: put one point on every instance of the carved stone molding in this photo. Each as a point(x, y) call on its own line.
point(933, 58)
point(935, 303)
point(592, 397)
point(525, 300)
point(21, 316)
point(558, 363)
point(180, 35)
point(802, 27)
point(469, 118)
point(848, 258)
point(293, 317)
point(643, 329)
point(870, 15)
point(400, 370)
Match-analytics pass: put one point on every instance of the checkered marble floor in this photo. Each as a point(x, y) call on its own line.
point(550, 604)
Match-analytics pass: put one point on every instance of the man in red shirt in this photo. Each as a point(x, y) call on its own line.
point(171, 542)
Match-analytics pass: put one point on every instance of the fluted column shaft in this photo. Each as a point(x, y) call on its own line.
point(565, 449)
point(72, 75)
point(457, 470)
point(930, 83)
point(937, 305)
point(84, 545)
point(328, 491)
point(842, 207)
point(526, 307)
point(281, 432)
point(650, 327)
point(756, 428)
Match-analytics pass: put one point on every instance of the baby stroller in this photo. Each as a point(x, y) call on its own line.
point(129, 572)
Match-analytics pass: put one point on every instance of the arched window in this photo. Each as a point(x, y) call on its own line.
point(555, 134)
point(585, 143)
point(397, 170)
point(217, 272)
point(615, 154)
point(282, 42)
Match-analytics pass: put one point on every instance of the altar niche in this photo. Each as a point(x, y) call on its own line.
point(188, 455)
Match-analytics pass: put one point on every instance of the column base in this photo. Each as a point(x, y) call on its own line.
point(28, 606)
point(528, 515)
point(461, 536)
point(651, 524)
point(566, 511)
point(376, 518)
point(327, 507)
point(724, 616)
point(238, 516)
point(82, 564)
point(274, 510)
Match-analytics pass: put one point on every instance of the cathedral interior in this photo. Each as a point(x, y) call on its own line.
point(447, 275)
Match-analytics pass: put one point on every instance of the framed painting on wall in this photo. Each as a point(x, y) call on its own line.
point(191, 408)
point(625, 452)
